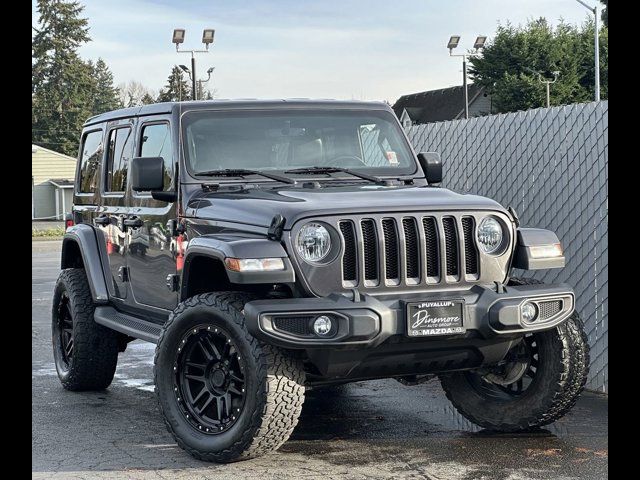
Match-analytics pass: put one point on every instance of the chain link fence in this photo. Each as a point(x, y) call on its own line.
point(551, 165)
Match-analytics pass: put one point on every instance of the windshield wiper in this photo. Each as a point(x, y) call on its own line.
point(321, 170)
point(241, 172)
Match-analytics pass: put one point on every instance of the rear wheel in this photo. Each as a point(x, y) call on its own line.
point(224, 395)
point(539, 381)
point(85, 352)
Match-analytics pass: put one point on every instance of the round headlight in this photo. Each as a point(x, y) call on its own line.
point(313, 242)
point(489, 235)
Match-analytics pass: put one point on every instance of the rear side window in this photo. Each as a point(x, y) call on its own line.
point(156, 142)
point(118, 155)
point(90, 157)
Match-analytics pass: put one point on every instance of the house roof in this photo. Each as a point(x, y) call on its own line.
point(62, 182)
point(436, 105)
point(36, 148)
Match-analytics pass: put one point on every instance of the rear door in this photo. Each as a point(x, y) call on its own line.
point(86, 198)
point(150, 256)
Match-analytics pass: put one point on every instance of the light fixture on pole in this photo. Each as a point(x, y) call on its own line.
point(478, 45)
point(596, 26)
point(207, 39)
point(548, 82)
point(209, 72)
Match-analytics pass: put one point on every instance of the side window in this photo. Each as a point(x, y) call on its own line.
point(90, 157)
point(155, 141)
point(118, 156)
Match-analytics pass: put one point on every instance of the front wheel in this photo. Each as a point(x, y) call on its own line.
point(538, 382)
point(224, 395)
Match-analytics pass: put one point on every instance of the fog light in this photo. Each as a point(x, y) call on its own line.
point(529, 312)
point(322, 325)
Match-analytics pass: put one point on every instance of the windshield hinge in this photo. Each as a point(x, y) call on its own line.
point(276, 228)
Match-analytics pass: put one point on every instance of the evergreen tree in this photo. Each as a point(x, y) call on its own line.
point(105, 97)
point(147, 99)
point(512, 61)
point(62, 84)
point(177, 88)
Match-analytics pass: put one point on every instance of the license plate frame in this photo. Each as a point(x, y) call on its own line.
point(432, 318)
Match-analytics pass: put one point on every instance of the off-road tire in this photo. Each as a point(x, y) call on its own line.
point(275, 384)
point(578, 354)
point(560, 379)
point(95, 347)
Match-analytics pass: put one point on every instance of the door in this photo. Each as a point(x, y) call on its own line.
point(150, 257)
point(113, 211)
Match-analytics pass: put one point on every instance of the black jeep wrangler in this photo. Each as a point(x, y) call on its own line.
point(271, 246)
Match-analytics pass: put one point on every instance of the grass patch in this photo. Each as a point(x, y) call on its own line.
point(49, 232)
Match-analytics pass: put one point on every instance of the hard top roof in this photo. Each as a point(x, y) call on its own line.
point(170, 107)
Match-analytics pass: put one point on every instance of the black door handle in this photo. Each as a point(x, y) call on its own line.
point(101, 220)
point(134, 222)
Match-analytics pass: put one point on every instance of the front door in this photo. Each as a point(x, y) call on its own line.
point(150, 256)
point(113, 208)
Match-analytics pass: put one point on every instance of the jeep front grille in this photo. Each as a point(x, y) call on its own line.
point(404, 252)
point(408, 250)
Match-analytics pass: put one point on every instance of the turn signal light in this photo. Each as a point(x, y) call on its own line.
point(254, 264)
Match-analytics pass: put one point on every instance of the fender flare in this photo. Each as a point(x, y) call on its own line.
point(222, 246)
point(94, 265)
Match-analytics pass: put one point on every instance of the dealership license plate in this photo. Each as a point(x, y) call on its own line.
point(437, 317)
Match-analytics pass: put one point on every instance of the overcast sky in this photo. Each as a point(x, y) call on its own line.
point(369, 50)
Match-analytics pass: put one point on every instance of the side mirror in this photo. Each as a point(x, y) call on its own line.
point(431, 166)
point(147, 174)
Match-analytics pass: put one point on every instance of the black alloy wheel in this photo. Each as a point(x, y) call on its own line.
point(514, 377)
point(64, 330)
point(209, 379)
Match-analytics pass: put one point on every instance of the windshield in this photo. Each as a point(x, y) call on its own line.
point(280, 140)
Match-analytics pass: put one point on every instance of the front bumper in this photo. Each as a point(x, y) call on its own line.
point(367, 321)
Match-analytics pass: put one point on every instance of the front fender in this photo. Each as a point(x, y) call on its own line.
point(234, 246)
point(81, 239)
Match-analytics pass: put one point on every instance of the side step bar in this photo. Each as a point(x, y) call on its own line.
point(123, 323)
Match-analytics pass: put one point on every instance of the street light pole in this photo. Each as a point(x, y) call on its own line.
point(464, 85)
point(207, 39)
point(548, 83)
point(479, 44)
point(595, 12)
point(194, 92)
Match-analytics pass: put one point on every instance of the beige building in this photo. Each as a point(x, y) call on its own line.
point(52, 175)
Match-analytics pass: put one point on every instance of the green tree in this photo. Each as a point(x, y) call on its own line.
point(62, 83)
point(515, 59)
point(147, 99)
point(105, 97)
point(177, 88)
point(605, 13)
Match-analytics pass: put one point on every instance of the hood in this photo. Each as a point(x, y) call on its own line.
point(257, 206)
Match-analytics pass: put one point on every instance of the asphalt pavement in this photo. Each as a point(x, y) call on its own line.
point(375, 429)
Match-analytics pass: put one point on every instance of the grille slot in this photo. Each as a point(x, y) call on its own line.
point(470, 252)
point(370, 247)
point(294, 325)
point(549, 308)
point(431, 245)
point(451, 245)
point(349, 260)
point(391, 257)
point(412, 247)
